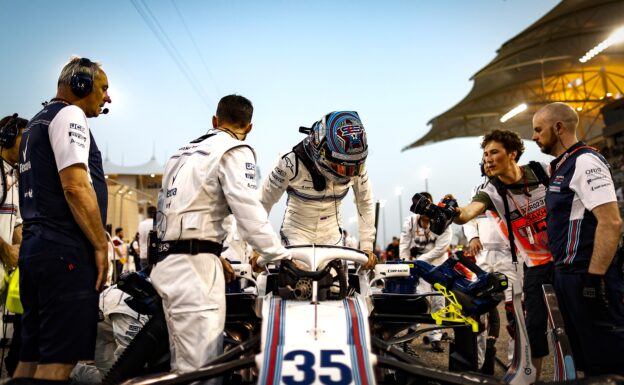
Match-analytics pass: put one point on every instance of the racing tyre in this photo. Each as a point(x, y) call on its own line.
point(149, 346)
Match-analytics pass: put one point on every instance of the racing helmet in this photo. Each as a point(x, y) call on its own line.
point(337, 144)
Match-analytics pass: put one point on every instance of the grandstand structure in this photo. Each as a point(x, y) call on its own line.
point(573, 54)
point(131, 189)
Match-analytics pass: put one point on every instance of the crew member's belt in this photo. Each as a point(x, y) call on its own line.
point(188, 246)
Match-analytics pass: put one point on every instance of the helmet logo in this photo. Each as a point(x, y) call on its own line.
point(351, 138)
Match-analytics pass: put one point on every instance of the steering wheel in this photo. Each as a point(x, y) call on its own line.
point(296, 283)
point(316, 257)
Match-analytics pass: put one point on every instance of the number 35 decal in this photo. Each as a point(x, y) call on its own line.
point(307, 368)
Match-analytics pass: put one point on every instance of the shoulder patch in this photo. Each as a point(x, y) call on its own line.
point(290, 164)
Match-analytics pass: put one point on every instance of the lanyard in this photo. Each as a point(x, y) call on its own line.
point(526, 189)
point(568, 155)
point(526, 211)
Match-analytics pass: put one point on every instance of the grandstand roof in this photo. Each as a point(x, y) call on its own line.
point(541, 65)
point(148, 168)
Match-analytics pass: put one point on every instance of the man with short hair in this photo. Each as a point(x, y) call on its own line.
point(192, 207)
point(584, 227)
point(515, 195)
point(392, 250)
point(63, 200)
point(493, 254)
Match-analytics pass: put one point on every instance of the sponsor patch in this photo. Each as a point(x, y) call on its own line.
point(23, 167)
point(593, 171)
point(290, 165)
point(78, 144)
point(75, 126)
point(590, 180)
point(277, 177)
point(594, 188)
point(250, 166)
point(78, 136)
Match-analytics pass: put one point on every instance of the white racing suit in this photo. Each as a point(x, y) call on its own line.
point(430, 248)
point(119, 327)
point(203, 182)
point(494, 256)
point(313, 214)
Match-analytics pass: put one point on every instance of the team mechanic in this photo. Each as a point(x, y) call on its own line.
point(63, 200)
point(584, 227)
point(317, 175)
point(418, 242)
point(517, 193)
point(11, 128)
point(203, 183)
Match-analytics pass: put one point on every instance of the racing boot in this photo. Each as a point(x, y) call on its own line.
point(436, 347)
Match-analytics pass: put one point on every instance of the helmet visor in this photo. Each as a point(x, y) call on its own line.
point(346, 169)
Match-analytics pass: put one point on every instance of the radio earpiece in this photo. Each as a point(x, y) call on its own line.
point(81, 83)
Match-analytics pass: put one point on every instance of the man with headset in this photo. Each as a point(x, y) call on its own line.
point(11, 128)
point(584, 227)
point(63, 199)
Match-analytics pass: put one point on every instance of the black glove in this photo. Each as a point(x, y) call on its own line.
point(595, 292)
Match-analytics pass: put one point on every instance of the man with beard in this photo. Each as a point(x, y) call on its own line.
point(581, 204)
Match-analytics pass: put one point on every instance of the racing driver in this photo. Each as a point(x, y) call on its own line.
point(317, 175)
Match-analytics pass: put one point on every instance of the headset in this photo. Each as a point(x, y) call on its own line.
point(81, 83)
point(8, 132)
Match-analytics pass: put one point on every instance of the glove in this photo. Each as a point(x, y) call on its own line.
point(254, 262)
point(228, 271)
point(372, 260)
point(595, 293)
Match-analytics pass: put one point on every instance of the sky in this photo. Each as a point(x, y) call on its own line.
point(398, 63)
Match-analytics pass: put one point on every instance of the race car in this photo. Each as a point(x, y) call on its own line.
point(316, 320)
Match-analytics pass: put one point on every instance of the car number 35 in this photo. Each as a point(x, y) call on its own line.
point(305, 365)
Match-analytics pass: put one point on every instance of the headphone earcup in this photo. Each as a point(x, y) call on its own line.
point(8, 133)
point(81, 84)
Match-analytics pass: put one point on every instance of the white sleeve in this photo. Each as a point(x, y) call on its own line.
point(69, 137)
point(363, 192)
point(471, 229)
point(237, 178)
point(406, 237)
point(144, 227)
point(592, 182)
point(441, 246)
point(277, 181)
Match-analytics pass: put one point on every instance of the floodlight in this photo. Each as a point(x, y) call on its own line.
point(513, 112)
point(616, 37)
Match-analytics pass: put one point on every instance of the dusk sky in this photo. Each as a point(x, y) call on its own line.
point(397, 63)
